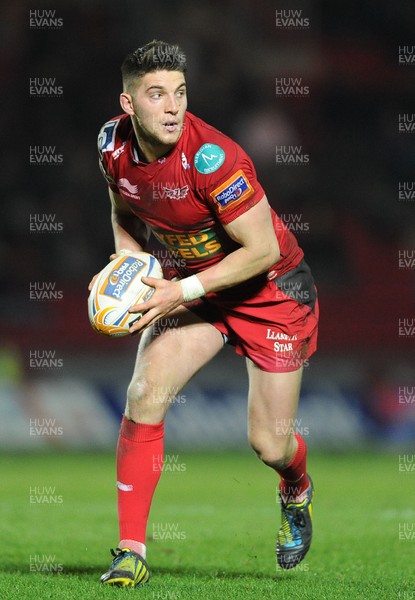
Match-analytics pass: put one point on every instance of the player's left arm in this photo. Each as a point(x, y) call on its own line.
point(253, 230)
point(259, 249)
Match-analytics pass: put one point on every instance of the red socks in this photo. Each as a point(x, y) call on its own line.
point(139, 466)
point(294, 480)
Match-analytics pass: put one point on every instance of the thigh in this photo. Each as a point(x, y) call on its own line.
point(272, 404)
point(169, 354)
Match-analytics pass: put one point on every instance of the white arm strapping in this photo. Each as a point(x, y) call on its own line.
point(191, 288)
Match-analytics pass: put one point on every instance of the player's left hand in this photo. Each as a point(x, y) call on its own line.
point(167, 296)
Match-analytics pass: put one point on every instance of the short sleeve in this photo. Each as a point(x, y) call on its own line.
point(106, 145)
point(233, 188)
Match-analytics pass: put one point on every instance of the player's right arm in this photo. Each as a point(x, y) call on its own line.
point(130, 233)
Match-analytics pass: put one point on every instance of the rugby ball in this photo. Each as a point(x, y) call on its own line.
point(117, 288)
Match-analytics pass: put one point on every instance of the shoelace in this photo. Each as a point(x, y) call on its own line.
point(292, 524)
point(118, 554)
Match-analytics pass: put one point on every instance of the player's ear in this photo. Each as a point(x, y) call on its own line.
point(126, 103)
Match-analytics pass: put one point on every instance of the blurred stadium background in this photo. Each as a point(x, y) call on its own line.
point(62, 385)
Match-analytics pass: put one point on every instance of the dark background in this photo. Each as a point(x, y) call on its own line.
point(352, 224)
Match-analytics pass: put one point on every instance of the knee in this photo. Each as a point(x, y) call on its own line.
point(145, 400)
point(137, 391)
point(274, 452)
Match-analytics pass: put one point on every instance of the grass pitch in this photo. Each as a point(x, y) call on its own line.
point(213, 527)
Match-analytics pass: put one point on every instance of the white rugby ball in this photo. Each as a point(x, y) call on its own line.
point(117, 288)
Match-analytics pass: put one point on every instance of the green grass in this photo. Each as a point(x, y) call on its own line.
point(224, 509)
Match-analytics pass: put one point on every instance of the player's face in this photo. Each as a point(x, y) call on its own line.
point(159, 104)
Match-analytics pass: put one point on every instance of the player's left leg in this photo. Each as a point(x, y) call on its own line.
point(272, 409)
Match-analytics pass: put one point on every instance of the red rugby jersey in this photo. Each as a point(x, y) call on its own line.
point(204, 182)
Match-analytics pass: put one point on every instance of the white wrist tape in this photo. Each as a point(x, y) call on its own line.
point(191, 288)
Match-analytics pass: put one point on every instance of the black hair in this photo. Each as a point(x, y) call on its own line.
point(154, 56)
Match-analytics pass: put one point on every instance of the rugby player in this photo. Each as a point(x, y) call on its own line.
point(244, 282)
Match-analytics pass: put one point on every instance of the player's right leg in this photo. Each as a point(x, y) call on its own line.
point(169, 354)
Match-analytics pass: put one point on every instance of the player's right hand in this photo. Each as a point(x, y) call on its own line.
point(123, 253)
point(91, 283)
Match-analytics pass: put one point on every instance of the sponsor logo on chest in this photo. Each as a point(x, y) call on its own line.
point(209, 158)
